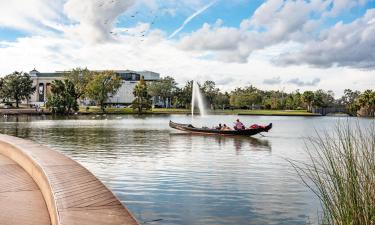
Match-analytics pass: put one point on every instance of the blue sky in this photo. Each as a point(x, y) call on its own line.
point(239, 42)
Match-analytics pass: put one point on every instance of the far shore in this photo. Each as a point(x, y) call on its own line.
point(159, 111)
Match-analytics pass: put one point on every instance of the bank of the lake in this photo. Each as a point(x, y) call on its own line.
point(96, 110)
point(129, 111)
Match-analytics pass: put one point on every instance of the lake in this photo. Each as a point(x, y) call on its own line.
point(167, 177)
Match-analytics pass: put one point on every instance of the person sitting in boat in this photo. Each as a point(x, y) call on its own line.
point(239, 125)
point(225, 127)
point(219, 127)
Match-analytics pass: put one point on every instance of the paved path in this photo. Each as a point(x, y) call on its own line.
point(21, 201)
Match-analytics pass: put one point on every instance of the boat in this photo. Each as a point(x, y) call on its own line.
point(205, 130)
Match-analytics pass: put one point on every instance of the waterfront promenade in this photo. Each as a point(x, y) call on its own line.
point(41, 186)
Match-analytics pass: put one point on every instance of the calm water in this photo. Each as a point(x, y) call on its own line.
point(160, 173)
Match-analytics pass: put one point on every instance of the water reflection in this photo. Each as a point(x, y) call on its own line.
point(239, 142)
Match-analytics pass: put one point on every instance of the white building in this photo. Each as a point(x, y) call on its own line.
point(124, 95)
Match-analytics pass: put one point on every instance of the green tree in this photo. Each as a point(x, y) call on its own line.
point(62, 99)
point(165, 88)
point(245, 98)
point(221, 100)
point(142, 98)
point(308, 98)
point(367, 102)
point(323, 98)
point(349, 101)
point(102, 85)
point(17, 86)
point(80, 78)
point(210, 92)
point(273, 99)
point(185, 94)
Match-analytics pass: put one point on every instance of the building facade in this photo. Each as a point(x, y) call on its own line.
point(124, 96)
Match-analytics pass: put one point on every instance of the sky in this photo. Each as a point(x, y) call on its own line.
point(275, 44)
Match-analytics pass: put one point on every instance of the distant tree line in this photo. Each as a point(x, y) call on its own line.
point(79, 84)
point(251, 97)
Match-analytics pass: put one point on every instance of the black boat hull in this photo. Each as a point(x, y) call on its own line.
point(245, 132)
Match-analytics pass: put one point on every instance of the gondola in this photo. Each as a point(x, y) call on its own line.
point(246, 132)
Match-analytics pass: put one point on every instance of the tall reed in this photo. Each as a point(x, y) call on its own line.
point(341, 172)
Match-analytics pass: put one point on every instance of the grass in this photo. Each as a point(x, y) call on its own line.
point(267, 112)
point(95, 110)
point(341, 172)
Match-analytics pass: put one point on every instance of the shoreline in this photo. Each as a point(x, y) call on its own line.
point(127, 111)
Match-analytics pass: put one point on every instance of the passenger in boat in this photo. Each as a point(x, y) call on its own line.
point(239, 125)
point(225, 127)
point(219, 127)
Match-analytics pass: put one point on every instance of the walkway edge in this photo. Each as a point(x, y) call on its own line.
point(63, 184)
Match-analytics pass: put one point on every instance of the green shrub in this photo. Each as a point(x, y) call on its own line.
point(341, 172)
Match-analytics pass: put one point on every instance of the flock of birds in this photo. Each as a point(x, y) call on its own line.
point(133, 18)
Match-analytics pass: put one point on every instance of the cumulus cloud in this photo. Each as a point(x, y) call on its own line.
point(270, 24)
point(74, 22)
point(278, 22)
point(301, 83)
point(34, 16)
point(342, 45)
point(272, 81)
point(94, 18)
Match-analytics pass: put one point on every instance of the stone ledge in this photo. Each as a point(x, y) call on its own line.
point(64, 185)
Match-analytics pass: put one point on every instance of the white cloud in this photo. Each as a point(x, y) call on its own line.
point(34, 16)
point(241, 56)
point(95, 18)
point(342, 45)
point(278, 22)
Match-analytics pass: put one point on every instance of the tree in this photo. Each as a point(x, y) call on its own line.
point(221, 100)
point(185, 94)
point(80, 78)
point(142, 98)
point(165, 88)
point(367, 102)
point(210, 92)
point(17, 86)
point(62, 99)
point(245, 98)
point(273, 100)
point(349, 101)
point(102, 85)
point(323, 99)
point(308, 98)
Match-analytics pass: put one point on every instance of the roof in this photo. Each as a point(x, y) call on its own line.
point(148, 75)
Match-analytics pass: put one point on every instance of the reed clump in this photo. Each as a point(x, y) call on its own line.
point(341, 172)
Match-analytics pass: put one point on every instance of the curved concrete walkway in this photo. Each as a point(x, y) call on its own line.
point(71, 193)
point(21, 201)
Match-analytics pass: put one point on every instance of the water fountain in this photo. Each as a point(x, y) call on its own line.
point(197, 97)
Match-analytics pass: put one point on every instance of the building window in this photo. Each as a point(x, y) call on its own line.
point(41, 92)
